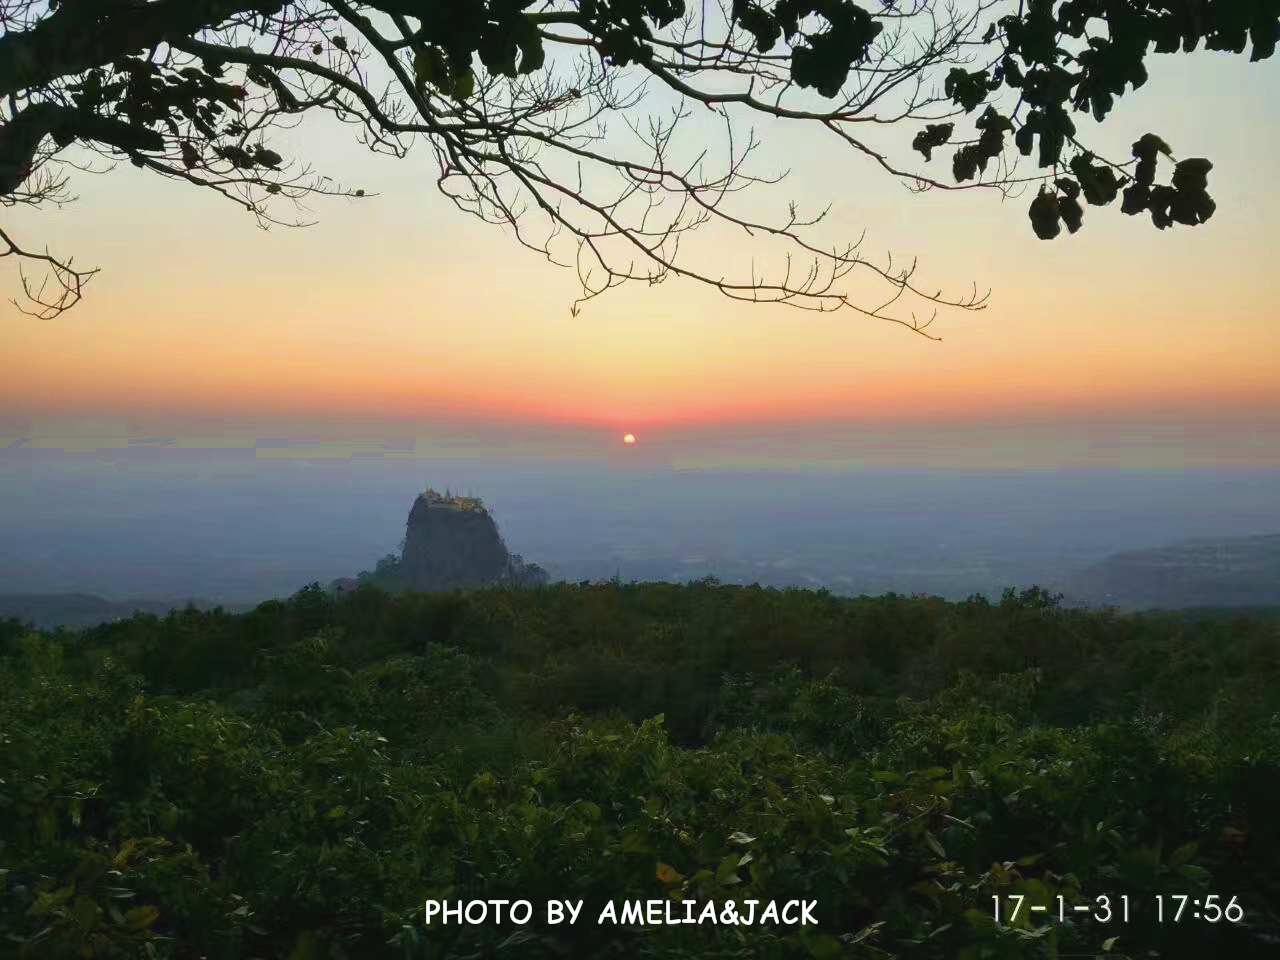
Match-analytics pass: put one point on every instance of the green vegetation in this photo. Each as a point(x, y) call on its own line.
point(296, 781)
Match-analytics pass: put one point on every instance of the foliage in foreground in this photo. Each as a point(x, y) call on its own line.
point(514, 98)
point(296, 781)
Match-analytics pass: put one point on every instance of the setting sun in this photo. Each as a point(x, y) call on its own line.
point(629, 438)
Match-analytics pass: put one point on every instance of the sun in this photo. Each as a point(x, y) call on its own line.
point(629, 438)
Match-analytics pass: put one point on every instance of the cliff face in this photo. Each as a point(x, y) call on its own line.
point(450, 543)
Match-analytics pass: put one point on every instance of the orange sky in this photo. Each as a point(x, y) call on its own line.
point(401, 311)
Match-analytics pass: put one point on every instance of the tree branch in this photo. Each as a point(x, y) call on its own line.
point(81, 35)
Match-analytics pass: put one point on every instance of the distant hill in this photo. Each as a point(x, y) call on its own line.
point(1203, 572)
point(451, 543)
point(76, 611)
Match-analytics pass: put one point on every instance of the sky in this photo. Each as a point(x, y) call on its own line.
point(398, 327)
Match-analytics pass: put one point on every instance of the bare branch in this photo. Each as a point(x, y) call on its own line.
point(516, 106)
point(68, 283)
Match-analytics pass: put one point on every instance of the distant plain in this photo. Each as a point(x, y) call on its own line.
point(267, 528)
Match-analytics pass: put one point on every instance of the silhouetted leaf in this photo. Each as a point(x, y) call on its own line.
point(1044, 216)
point(933, 135)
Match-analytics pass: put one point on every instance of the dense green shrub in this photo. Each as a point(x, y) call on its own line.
point(297, 781)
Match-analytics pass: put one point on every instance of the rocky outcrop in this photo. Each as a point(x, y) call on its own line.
point(450, 543)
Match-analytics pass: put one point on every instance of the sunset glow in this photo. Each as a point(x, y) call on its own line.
point(212, 322)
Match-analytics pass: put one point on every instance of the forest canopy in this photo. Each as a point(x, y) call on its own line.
point(296, 781)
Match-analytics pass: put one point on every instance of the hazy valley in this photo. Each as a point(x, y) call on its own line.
point(237, 538)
